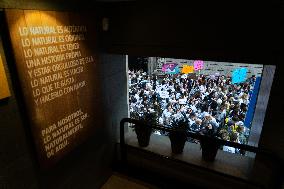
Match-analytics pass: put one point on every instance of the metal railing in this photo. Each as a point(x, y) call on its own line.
point(191, 134)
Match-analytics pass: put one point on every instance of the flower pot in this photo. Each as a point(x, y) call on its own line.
point(209, 149)
point(143, 135)
point(178, 140)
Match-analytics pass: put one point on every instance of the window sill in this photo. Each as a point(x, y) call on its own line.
point(225, 163)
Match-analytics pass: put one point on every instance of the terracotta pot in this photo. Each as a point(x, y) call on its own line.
point(209, 149)
point(143, 135)
point(178, 140)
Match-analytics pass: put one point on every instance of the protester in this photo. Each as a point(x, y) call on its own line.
point(204, 102)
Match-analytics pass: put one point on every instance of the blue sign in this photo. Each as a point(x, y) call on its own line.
point(239, 75)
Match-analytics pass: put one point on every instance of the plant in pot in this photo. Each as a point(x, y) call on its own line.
point(208, 144)
point(178, 135)
point(142, 129)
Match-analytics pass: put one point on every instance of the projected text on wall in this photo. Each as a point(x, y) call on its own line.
point(55, 58)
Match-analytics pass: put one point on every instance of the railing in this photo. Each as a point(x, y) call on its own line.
point(191, 134)
point(271, 157)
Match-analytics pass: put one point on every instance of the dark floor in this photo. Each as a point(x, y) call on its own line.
point(119, 181)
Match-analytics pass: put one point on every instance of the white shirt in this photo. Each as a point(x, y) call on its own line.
point(191, 121)
point(164, 94)
point(219, 101)
point(194, 109)
point(182, 101)
point(178, 95)
point(229, 149)
point(166, 113)
point(202, 89)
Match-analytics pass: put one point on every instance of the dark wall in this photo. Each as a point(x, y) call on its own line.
point(16, 160)
point(89, 165)
point(114, 79)
point(215, 30)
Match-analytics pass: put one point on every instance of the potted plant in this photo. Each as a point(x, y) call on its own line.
point(143, 130)
point(178, 135)
point(208, 144)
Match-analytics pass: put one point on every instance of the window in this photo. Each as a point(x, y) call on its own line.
point(217, 96)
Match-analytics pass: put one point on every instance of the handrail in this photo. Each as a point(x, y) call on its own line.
point(189, 134)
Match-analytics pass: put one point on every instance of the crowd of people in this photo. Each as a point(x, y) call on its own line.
point(206, 102)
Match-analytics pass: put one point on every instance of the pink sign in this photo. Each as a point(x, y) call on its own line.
point(171, 68)
point(198, 64)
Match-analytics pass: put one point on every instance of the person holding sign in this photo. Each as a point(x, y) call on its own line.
point(239, 75)
point(198, 65)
